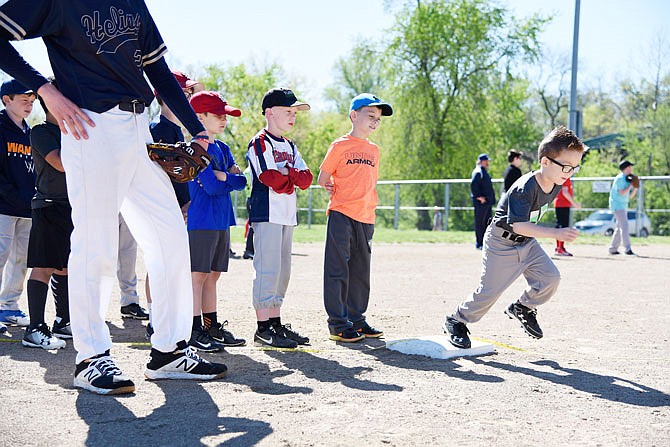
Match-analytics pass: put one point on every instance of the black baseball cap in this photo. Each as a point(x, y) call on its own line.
point(282, 97)
point(14, 87)
point(624, 164)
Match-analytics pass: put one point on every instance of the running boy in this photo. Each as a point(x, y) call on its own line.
point(510, 245)
point(277, 169)
point(349, 173)
point(210, 217)
point(49, 245)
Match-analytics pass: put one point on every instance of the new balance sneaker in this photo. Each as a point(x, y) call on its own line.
point(286, 331)
point(100, 375)
point(270, 337)
point(201, 341)
point(182, 363)
point(14, 318)
point(527, 317)
point(41, 337)
point(349, 335)
point(134, 311)
point(368, 331)
point(458, 333)
point(222, 335)
point(62, 330)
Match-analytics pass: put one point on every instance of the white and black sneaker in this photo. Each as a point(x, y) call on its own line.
point(527, 317)
point(202, 341)
point(134, 311)
point(62, 329)
point(182, 363)
point(41, 337)
point(100, 375)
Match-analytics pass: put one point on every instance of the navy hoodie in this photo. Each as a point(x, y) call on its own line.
point(17, 172)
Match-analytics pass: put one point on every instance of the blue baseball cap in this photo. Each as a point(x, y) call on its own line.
point(370, 100)
point(14, 87)
point(483, 157)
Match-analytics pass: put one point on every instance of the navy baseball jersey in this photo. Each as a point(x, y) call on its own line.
point(50, 185)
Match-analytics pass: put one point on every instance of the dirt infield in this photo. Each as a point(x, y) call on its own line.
point(599, 377)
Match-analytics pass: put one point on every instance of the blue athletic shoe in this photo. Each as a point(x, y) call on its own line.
point(14, 317)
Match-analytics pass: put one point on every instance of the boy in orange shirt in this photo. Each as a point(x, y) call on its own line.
point(349, 174)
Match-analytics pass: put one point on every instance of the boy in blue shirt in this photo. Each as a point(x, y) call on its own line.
point(622, 191)
point(210, 216)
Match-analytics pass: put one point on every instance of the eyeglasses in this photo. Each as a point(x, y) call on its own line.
point(567, 169)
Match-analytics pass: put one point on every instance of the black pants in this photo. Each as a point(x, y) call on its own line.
point(482, 218)
point(562, 217)
point(346, 271)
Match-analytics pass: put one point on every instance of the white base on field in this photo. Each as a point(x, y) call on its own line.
point(437, 347)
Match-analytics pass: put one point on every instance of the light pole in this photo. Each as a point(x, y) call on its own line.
point(574, 121)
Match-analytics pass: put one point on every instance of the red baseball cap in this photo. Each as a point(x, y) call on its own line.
point(184, 81)
point(212, 102)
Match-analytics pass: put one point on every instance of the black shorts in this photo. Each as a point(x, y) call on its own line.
point(49, 245)
point(210, 250)
point(562, 217)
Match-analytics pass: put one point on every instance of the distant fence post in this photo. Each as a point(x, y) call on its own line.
point(309, 208)
point(445, 221)
point(396, 217)
point(640, 208)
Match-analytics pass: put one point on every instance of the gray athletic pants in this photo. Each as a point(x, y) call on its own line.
point(346, 271)
point(272, 263)
point(621, 231)
point(125, 269)
point(503, 261)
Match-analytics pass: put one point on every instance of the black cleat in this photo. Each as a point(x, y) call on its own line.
point(201, 341)
point(368, 331)
point(458, 333)
point(134, 311)
point(286, 331)
point(527, 317)
point(222, 335)
point(270, 337)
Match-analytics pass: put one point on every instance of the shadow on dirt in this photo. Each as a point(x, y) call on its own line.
point(325, 370)
point(610, 388)
point(188, 417)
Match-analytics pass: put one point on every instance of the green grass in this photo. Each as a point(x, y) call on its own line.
point(316, 234)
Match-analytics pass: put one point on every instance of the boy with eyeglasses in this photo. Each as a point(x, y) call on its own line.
point(510, 246)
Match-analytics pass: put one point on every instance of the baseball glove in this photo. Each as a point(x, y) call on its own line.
point(181, 161)
point(633, 180)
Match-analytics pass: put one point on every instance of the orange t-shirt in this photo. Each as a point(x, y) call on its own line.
point(353, 164)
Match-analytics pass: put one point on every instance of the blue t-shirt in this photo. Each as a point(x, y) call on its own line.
point(211, 207)
point(618, 201)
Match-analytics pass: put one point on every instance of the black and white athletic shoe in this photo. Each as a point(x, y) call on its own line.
point(134, 311)
point(41, 337)
point(201, 341)
point(100, 375)
point(285, 330)
point(270, 337)
point(368, 331)
point(220, 334)
point(182, 363)
point(149, 331)
point(457, 332)
point(62, 329)
point(527, 317)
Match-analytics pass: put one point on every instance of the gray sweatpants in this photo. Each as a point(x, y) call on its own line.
point(621, 231)
point(503, 261)
point(125, 269)
point(272, 263)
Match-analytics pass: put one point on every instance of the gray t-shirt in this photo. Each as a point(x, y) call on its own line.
point(524, 202)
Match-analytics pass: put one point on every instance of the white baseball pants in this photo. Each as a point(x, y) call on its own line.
point(107, 173)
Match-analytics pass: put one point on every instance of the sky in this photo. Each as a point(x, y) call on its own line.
point(307, 37)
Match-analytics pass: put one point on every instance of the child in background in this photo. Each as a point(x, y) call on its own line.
point(277, 168)
point(349, 173)
point(210, 217)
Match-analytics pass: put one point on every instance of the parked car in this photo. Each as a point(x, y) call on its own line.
point(602, 222)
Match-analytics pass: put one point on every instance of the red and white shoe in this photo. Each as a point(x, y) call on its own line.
point(562, 252)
